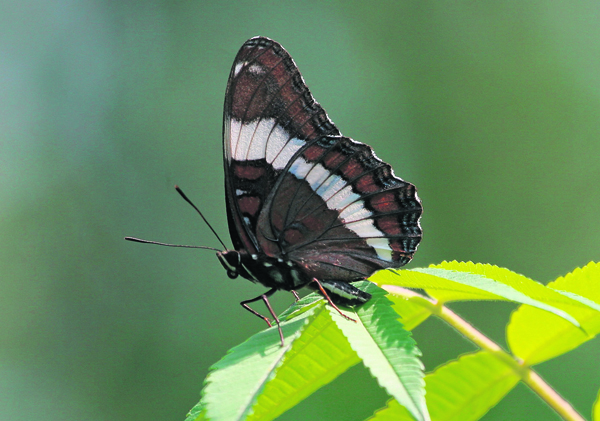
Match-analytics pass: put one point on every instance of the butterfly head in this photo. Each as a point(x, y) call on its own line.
point(231, 261)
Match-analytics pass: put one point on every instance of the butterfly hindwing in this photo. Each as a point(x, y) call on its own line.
point(341, 210)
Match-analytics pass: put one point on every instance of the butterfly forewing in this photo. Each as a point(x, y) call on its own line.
point(296, 188)
point(269, 115)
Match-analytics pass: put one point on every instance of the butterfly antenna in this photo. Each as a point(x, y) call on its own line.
point(182, 194)
point(139, 240)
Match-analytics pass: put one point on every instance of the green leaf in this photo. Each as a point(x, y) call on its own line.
point(302, 305)
point(439, 287)
point(503, 276)
point(392, 411)
point(386, 349)
point(461, 390)
point(235, 382)
point(471, 283)
point(582, 300)
point(467, 388)
point(536, 336)
point(317, 357)
point(197, 413)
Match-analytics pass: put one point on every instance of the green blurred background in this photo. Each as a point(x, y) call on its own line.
point(492, 108)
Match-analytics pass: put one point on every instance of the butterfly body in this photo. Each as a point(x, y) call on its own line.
point(259, 268)
point(285, 274)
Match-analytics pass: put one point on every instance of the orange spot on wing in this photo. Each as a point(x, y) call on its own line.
point(351, 169)
point(366, 184)
point(333, 159)
point(312, 153)
point(384, 202)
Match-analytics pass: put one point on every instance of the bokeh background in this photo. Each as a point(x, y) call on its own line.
point(492, 108)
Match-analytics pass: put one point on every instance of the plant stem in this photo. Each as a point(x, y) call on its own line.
point(527, 374)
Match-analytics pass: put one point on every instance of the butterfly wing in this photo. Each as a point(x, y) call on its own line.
point(295, 187)
point(269, 115)
point(342, 212)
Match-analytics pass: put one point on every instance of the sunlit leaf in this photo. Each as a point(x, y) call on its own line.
point(317, 357)
point(387, 349)
point(461, 390)
point(392, 411)
point(302, 305)
point(536, 336)
point(469, 281)
point(236, 381)
point(197, 413)
point(433, 284)
point(515, 280)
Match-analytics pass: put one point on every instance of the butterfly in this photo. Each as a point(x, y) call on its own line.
point(306, 206)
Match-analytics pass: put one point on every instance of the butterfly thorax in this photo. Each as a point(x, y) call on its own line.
point(269, 271)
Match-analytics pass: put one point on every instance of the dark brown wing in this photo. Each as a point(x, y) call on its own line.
point(269, 115)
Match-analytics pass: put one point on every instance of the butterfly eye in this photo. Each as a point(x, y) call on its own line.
point(232, 274)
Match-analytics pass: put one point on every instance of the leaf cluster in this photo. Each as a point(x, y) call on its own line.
point(260, 379)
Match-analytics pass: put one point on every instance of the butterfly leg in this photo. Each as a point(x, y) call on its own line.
point(296, 295)
point(265, 299)
point(324, 293)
